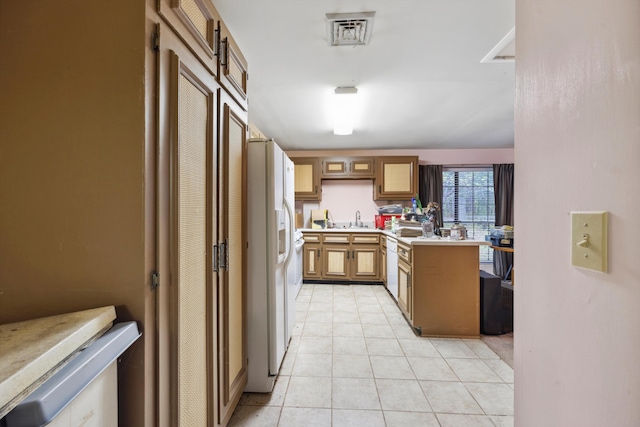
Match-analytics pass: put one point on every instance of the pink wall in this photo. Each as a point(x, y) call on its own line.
point(577, 332)
point(344, 198)
point(433, 157)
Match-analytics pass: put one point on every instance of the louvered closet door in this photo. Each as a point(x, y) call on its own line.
point(231, 298)
point(191, 321)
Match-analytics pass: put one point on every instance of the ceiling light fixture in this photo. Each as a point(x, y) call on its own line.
point(344, 109)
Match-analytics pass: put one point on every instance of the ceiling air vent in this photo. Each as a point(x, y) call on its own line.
point(349, 29)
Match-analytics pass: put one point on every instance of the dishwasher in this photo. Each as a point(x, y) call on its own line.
point(392, 267)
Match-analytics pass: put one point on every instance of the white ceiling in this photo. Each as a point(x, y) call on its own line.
point(420, 81)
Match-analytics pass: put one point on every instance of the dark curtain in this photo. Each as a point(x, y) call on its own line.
point(430, 187)
point(503, 193)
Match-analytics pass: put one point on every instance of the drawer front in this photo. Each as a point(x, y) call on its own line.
point(404, 252)
point(365, 238)
point(311, 238)
point(335, 238)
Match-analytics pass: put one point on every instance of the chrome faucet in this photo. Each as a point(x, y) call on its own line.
point(358, 220)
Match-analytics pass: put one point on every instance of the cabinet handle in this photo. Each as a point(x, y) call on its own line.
point(353, 254)
point(224, 255)
point(409, 280)
point(347, 254)
point(379, 188)
point(215, 258)
point(318, 253)
point(224, 53)
point(316, 189)
point(216, 41)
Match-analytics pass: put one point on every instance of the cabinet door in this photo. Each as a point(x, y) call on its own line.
point(365, 260)
point(336, 260)
point(348, 167)
point(232, 359)
point(186, 339)
point(335, 167)
point(307, 178)
point(233, 67)
point(404, 288)
point(396, 178)
point(197, 24)
point(312, 261)
point(362, 167)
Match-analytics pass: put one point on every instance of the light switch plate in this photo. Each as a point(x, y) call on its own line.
point(589, 240)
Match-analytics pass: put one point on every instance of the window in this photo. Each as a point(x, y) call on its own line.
point(468, 200)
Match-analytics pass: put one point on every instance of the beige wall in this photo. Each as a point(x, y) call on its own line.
point(74, 222)
point(577, 332)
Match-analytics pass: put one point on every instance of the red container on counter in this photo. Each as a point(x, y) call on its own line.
point(381, 219)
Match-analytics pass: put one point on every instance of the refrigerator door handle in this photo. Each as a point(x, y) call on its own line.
point(287, 207)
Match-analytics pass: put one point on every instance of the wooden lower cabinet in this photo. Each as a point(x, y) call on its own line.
point(312, 256)
point(312, 262)
point(404, 289)
point(342, 256)
point(439, 290)
point(365, 262)
point(336, 262)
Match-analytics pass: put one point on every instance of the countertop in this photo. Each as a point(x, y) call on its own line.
point(33, 350)
point(416, 241)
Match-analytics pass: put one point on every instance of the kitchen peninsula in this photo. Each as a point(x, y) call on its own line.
point(438, 279)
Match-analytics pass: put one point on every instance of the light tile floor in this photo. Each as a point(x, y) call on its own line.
point(354, 361)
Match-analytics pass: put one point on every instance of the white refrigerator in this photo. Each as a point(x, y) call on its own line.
point(271, 280)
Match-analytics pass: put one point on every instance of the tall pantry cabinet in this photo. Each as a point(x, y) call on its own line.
point(122, 151)
point(202, 310)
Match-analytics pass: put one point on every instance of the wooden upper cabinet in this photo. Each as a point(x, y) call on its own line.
point(233, 67)
point(362, 167)
point(307, 178)
point(396, 178)
point(335, 167)
point(348, 167)
point(196, 22)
